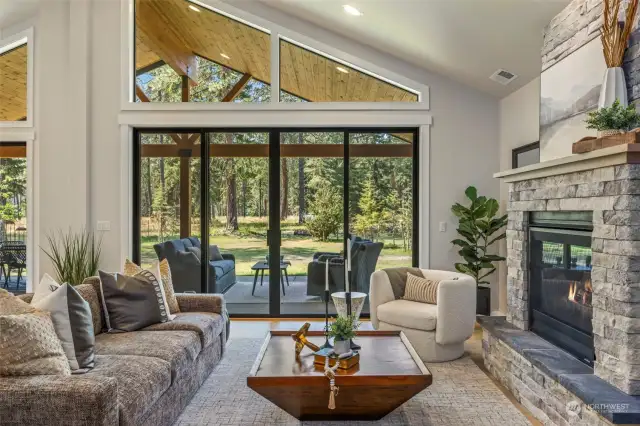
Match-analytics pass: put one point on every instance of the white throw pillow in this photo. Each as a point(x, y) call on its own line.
point(47, 286)
point(72, 320)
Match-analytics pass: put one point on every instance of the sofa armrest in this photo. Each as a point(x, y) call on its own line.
point(380, 292)
point(69, 400)
point(201, 303)
point(456, 309)
point(229, 256)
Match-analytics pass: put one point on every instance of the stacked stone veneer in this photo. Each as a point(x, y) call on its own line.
point(613, 194)
point(544, 397)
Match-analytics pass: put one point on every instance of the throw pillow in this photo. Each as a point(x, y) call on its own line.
point(132, 303)
point(131, 269)
point(214, 253)
point(196, 251)
point(46, 286)
point(421, 290)
point(29, 345)
point(73, 322)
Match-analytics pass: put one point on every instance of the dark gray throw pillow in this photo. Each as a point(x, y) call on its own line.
point(72, 320)
point(132, 303)
point(214, 253)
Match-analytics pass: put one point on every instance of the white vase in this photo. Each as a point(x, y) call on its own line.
point(613, 87)
point(341, 346)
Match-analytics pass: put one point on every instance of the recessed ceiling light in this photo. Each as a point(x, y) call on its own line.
point(352, 10)
point(343, 70)
point(195, 9)
point(225, 56)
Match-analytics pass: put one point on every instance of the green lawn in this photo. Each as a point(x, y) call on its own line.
point(249, 246)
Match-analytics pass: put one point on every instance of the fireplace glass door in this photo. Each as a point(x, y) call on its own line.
point(561, 291)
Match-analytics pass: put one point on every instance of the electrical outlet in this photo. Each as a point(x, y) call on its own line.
point(443, 226)
point(104, 225)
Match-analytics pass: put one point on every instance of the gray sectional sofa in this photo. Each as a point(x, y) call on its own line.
point(141, 378)
point(186, 268)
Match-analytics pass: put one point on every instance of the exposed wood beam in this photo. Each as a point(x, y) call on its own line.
point(286, 151)
point(185, 88)
point(185, 197)
point(237, 88)
point(149, 67)
point(160, 35)
point(13, 151)
point(141, 95)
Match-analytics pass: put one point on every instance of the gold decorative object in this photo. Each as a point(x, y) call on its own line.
point(319, 358)
point(613, 35)
point(300, 337)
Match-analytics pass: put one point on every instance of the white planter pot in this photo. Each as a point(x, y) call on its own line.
point(341, 346)
point(613, 87)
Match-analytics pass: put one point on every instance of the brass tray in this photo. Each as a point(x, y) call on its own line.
point(344, 364)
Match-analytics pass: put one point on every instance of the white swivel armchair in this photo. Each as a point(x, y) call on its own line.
point(437, 332)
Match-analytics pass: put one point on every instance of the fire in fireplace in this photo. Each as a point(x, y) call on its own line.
point(560, 282)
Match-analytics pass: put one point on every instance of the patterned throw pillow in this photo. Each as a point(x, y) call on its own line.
point(421, 290)
point(29, 345)
point(132, 303)
point(130, 269)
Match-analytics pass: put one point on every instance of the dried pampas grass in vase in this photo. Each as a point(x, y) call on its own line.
point(615, 36)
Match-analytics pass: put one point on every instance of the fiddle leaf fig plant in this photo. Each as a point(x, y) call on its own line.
point(479, 227)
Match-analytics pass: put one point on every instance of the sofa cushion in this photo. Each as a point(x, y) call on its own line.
point(207, 325)
point(405, 313)
point(178, 348)
point(222, 267)
point(141, 381)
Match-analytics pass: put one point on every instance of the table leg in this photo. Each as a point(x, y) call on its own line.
point(261, 277)
point(286, 276)
point(282, 282)
point(255, 280)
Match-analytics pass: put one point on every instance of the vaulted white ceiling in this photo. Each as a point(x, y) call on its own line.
point(467, 40)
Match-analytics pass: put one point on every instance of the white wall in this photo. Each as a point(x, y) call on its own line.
point(519, 125)
point(79, 175)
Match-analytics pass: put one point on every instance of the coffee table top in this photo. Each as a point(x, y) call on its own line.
point(383, 353)
point(389, 373)
point(264, 265)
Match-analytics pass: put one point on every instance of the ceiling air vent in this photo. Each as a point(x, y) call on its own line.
point(503, 77)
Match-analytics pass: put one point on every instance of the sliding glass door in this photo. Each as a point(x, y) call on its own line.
point(266, 215)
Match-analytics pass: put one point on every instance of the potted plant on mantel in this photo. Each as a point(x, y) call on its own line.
point(615, 37)
point(614, 125)
point(478, 226)
point(343, 329)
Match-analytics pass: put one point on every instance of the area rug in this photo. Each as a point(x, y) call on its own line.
point(461, 394)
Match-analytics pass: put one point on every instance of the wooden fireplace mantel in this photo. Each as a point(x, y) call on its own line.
point(613, 156)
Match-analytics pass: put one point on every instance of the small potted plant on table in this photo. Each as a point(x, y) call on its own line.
point(343, 329)
point(613, 120)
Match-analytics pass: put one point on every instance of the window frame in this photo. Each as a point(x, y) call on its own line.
point(277, 33)
point(521, 150)
point(14, 41)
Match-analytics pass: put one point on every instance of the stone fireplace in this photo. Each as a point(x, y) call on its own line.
point(612, 194)
point(572, 329)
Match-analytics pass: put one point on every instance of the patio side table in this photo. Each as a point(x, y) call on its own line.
point(261, 266)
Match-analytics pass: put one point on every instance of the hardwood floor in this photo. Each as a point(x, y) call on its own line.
point(257, 328)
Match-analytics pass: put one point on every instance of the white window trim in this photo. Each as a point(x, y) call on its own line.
point(277, 32)
point(33, 222)
point(13, 41)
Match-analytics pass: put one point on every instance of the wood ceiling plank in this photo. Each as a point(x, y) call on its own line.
point(13, 84)
point(159, 32)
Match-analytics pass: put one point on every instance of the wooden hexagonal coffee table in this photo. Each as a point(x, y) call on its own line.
point(389, 373)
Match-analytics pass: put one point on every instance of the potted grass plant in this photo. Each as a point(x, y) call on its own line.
point(75, 255)
point(343, 329)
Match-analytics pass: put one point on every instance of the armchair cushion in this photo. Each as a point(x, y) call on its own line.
point(409, 314)
point(222, 267)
